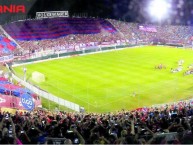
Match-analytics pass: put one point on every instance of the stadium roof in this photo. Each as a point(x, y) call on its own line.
point(126, 10)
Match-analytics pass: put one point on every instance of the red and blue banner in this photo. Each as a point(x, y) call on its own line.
point(6, 45)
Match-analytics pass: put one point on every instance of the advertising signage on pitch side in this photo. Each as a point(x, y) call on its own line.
point(51, 14)
point(27, 102)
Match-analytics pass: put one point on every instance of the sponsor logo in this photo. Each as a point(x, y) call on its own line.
point(27, 102)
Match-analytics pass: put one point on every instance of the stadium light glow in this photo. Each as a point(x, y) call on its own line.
point(159, 9)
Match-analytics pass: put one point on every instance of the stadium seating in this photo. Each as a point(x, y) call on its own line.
point(163, 124)
point(56, 27)
point(73, 34)
point(166, 33)
point(6, 46)
point(7, 88)
point(89, 33)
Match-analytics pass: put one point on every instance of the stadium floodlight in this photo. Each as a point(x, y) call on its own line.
point(159, 9)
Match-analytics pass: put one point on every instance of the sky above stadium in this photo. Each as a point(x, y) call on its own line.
point(179, 11)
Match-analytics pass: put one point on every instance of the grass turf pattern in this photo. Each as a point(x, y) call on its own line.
point(121, 79)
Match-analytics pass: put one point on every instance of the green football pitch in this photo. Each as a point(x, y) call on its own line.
point(120, 79)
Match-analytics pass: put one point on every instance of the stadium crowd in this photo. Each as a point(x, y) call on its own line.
point(127, 33)
point(168, 124)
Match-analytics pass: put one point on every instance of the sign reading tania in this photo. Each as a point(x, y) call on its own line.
point(27, 102)
point(12, 9)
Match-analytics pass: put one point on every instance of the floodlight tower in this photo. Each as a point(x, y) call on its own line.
point(159, 9)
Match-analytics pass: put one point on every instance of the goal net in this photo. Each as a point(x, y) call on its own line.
point(38, 77)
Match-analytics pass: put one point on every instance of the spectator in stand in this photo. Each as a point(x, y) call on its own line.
point(120, 33)
point(7, 130)
point(170, 123)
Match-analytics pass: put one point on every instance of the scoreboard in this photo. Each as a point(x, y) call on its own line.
point(51, 14)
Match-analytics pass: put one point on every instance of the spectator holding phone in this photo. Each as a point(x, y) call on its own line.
point(80, 139)
point(22, 135)
point(7, 128)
